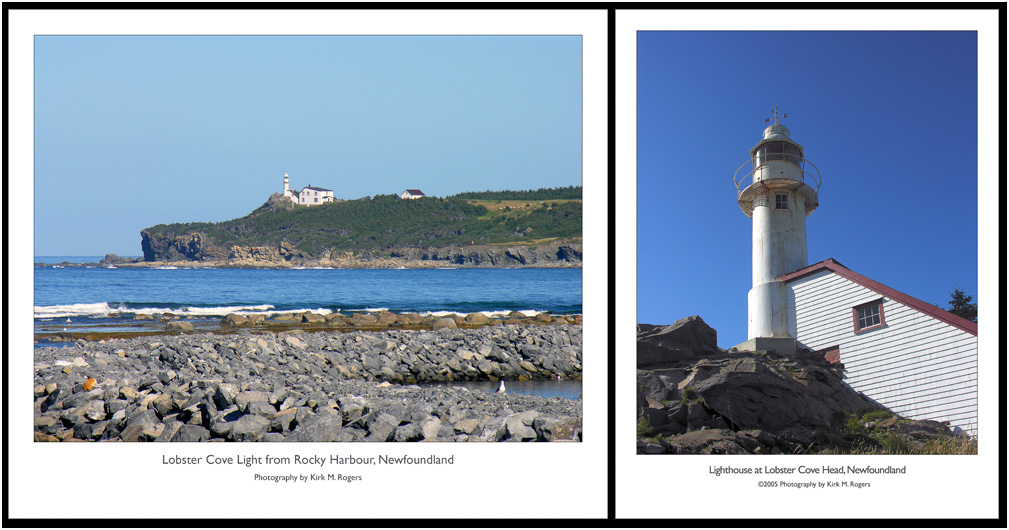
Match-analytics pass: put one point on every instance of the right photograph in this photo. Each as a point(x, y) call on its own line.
point(807, 252)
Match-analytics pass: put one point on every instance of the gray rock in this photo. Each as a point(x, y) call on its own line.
point(261, 408)
point(312, 318)
point(191, 433)
point(232, 319)
point(410, 432)
point(147, 419)
point(324, 427)
point(684, 339)
point(494, 430)
point(171, 427)
point(224, 396)
point(444, 323)
point(179, 327)
point(553, 429)
point(430, 428)
point(381, 428)
point(244, 398)
point(519, 426)
point(249, 428)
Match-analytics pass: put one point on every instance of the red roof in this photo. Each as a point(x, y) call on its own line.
point(832, 265)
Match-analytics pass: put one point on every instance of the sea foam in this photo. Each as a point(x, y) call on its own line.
point(72, 310)
point(489, 314)
point(204, 311)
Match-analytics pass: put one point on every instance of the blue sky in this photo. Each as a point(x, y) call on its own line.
point(133, 131)
point(889, 118)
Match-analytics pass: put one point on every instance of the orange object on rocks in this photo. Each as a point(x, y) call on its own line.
point(89, 384)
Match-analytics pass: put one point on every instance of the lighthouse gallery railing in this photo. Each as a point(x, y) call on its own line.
point(761, 161)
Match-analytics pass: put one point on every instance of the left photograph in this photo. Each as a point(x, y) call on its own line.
point(308, 238)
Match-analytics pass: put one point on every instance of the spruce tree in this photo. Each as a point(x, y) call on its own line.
point(960, 304)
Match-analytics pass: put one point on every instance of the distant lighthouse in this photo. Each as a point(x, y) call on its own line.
point(287, 185)
point(779, 197)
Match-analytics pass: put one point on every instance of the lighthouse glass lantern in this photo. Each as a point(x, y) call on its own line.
point(777, 192)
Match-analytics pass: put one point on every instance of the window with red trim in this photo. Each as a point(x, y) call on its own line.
point(868, 316)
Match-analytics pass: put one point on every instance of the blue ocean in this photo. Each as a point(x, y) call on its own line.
point(75, 293)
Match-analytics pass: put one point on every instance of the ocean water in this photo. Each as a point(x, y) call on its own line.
point(94, 292)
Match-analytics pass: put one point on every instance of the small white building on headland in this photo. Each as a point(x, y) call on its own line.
point(309, 195)
point(411, 194)
point(909, 356)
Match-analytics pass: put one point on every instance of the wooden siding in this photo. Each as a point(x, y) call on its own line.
point(916, 365)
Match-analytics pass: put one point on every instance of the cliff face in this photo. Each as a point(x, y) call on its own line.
point(194, 247)
point(189, 247)
point(497, 256)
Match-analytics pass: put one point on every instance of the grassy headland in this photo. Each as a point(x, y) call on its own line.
point(386, 222)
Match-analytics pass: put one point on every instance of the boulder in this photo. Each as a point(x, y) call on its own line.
point(312, 318)
point(444, 323)
point(410, 432)
point(384, 318)
point(685, 339)
point(323, 427)
point(363, 320)
point(179, 327)
point(191, 433)
point(519, 426)
point(477, 319)
point(729, 402)
point(249, 428)
point(233, 319)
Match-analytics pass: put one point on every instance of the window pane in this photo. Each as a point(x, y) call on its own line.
point(868, 316)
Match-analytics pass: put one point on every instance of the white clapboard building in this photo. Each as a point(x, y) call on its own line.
point(309, 195)
point(411, 194)
point(909, 356)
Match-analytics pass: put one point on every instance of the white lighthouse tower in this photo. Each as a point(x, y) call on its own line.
point(287, 190)
point(779, 197)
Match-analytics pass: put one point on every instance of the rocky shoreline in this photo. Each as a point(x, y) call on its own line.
point(309, 386)
point(140, 324)
point(695, 398)
point(191, 250)
point(403, 261)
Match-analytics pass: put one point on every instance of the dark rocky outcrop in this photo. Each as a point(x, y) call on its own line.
point(113, 260)
point(684, 339)
point(696, 398)
point(496, 255)
point(189, 247)
point(195, 247)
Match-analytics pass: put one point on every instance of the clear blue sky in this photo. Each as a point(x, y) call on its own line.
point(133, 131)
point(889, 118)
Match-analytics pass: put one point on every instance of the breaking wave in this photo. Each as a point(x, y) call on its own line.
point(489, 314)
point(72, 310)
point(102, 309)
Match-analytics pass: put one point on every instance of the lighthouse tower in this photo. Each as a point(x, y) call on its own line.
point(779, 197)
point(287, 190)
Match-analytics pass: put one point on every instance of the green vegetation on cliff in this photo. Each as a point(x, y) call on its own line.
point(542, 194)
point(387, 222)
